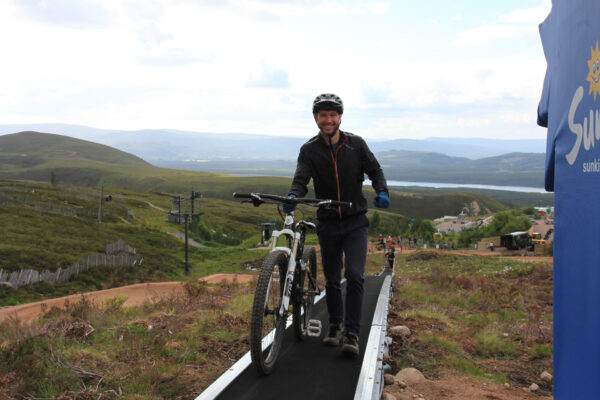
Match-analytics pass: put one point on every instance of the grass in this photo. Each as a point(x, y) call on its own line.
point(458, 307)
point(490, 343)
point(26, 244)
point(483, 316)
point(151, 352)
point(539, 351)
point(177, 346)
point(76, 162)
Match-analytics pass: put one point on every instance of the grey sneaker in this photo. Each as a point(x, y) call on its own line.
point(350, 344)
point(334, 336)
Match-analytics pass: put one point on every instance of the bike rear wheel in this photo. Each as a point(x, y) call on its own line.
point(304, 293)
point(265, 310)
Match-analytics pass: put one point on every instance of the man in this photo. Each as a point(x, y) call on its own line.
point(337, 162)
point(391, 255)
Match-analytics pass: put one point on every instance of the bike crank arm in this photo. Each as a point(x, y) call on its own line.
point(312, 281)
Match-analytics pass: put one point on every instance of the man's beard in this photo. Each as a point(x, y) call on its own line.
point(334, 129)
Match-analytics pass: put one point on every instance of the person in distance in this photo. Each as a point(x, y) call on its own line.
point(337, 161)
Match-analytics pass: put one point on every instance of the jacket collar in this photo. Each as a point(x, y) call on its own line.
point(343, 137)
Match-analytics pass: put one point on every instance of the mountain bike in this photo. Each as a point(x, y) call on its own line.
point(288, 279)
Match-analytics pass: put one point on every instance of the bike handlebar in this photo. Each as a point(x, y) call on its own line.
point(257, 199)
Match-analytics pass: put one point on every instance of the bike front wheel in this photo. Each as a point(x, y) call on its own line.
point(304, 293)
point(265, 312)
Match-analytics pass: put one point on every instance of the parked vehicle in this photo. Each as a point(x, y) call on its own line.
point(537, 239)
point(515, 240)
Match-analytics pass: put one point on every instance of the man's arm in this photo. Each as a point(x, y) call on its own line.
point(371, 167)
point(301, 176)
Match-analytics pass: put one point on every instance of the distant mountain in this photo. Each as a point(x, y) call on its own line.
point(175, 145)
point(66, 160)
point(472, 148)
point(511, 162)
point(512, 169)
point(41, 156)
point(30, 149)
point(245, 154)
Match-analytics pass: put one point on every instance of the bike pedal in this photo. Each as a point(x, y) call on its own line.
point(314, 327)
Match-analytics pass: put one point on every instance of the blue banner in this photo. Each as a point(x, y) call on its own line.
point(570, 109)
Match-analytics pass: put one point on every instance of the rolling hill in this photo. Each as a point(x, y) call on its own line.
point(32, 149)
point(38, 156)
point(177, 145)
point(444, 160)
point(512, 169)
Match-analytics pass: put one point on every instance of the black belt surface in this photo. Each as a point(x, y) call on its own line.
point(308, 369)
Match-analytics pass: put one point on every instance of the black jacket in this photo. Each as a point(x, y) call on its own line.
point(338, 173)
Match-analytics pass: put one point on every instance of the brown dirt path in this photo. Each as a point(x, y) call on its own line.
point(136, 294)
point(461, 388)
point(372, 249)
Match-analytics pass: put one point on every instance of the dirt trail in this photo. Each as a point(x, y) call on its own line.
point(372, 248)
point(156, 207)
point(136, 295)
point(450, 387)
point(191, 241)
point(460, 388)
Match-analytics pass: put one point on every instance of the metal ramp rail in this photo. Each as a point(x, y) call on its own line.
point(309, 370)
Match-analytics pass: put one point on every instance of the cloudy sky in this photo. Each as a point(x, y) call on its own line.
point(404, 68)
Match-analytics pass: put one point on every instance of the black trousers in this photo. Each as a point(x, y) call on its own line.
point(344, 240)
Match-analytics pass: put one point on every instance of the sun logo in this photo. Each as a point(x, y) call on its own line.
point(594, 75)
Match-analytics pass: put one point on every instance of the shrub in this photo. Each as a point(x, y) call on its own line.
point(489, 343)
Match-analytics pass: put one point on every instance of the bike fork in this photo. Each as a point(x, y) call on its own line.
point(287, 287)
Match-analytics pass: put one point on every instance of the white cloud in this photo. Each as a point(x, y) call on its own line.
point(517, 117)
point(255, 66)
point(270, 78)
point(296, 8)
point(517, 23)
point(483, 35)
point(528, 15)
point(76, 14)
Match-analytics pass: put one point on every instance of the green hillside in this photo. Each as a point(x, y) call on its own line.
point(77, 162)
point(45, 227)
point(433, 206)
point(513, 169)
point(34, 149)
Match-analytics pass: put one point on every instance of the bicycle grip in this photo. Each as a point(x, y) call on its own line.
point(335, 203)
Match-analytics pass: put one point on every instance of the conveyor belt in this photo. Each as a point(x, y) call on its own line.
point(308, 369)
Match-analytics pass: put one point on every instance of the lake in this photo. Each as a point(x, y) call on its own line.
point(524, 189)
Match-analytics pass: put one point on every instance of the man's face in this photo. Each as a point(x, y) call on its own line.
point(328, 122)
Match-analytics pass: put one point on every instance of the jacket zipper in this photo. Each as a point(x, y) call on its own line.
point(337, 180)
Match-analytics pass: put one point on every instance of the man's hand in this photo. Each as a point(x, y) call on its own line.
point(382, 200)
point(288, 208)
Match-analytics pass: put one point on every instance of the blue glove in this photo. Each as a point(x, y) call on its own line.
point(382, 200)
point(288, 208)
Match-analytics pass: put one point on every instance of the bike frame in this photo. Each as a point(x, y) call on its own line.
point(288, 232)
point(293, 238)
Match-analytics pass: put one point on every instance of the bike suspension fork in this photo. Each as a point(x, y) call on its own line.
point(289, 278)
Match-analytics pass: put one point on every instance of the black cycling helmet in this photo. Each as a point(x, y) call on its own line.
point(328, 101)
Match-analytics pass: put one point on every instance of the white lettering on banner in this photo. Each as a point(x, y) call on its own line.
point(587, 133)
point(592, 166)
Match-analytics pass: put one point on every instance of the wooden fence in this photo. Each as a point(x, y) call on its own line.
point(118, 254)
